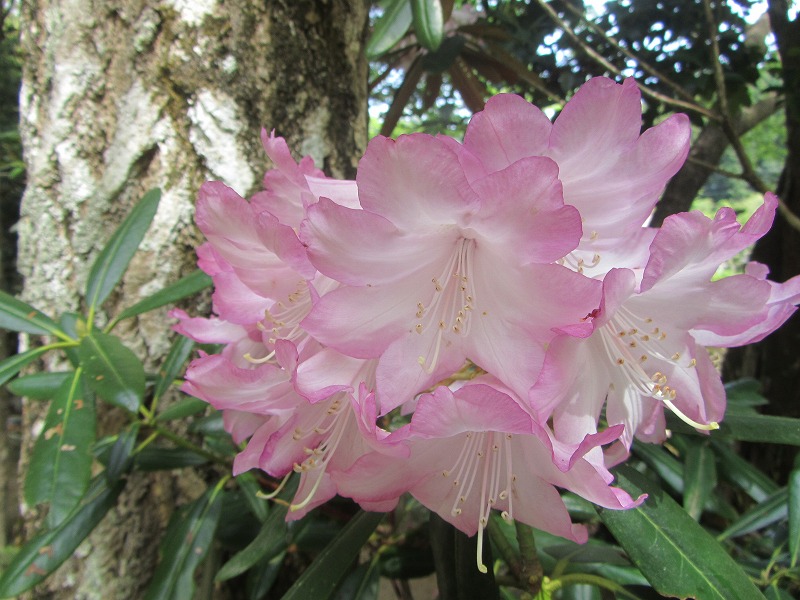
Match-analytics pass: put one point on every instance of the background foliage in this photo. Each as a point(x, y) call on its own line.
point(720, 517)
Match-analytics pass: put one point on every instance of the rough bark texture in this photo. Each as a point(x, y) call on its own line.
point(707, 148)
point(776, 361)
point(120, 96)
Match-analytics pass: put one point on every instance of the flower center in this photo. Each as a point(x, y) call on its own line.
point(630, 342)
point(282, 320)
point(485, 455)
point(452, 302)
point(320, 437)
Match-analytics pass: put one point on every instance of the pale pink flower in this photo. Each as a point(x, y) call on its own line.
point(436, 269)
point(292, 187)
point(611, 172)
point(478, 449)
point(644, 354)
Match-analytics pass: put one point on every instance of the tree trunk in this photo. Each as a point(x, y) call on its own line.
point(775, 361)
point(125, 95)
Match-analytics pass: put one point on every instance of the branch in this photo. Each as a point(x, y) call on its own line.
point(748, 172)
point(599, 59)
point(679, 89)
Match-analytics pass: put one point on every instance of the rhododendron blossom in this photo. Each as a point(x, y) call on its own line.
point(503, 293)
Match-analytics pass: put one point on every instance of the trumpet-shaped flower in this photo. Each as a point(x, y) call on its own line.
point(611, 172)
point(436, 269)
point(476, 450)
point(644, 354)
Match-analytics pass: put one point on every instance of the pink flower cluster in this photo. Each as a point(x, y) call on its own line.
point(501, 295)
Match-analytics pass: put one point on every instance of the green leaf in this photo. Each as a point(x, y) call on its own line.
point(700, 477)
point(678, 557)
point(14, 364)
point(185, 545)
point(771, 510)
point(113, 371)
point(428, 22)
point(261, 579)
point(270, 541)
point(39, 386)
point(185, 287)
point(741, 473)
point(761, 428)
point(320, 579)
point(120, 458)
point(671, 472)
point(17, 315)
point(160, 459)
point(744, 394)
point(361, 584)
point(173, 364)
point(390, 27)
point(112, 261)
point(60, 466)
point(259, 507)
point(186, 407)
point(44, 553)
point(794, 515)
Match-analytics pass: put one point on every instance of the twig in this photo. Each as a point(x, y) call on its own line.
point(531, 567)
point(748, 172)
point(599, 59)
point(646, 66)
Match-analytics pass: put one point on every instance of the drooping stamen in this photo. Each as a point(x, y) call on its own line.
point(453, 300)
point(630, 342)
point(332, 423)
point(277, 490)
point(483, 455)
point(282, 320)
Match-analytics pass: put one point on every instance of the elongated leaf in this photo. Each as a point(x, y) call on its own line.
point(173, 364)
point(60, 467)
point(112, 261)
point(700, 477)
point(741, 473)
point(44, 553)
point(17, 315)
point(771, 510)
point(160, 459)
point(428, 22)
point(259, 507)
point(319, 581)
point(390, 27)
point(261, 578)
point(794, 515)
point(186, 407)
point(185, 545)
point(269, 542)
point(39, 386)
point(361, 584)
point(761, 428)
point(678, 557)
point(671, 472)
point(120, 458)
point(112, 370)
point(185, 287)
point(14, 364)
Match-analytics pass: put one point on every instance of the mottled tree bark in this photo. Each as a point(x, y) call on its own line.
point(120, 96)
point(776, 361)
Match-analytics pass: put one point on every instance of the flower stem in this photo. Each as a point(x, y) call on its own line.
point(505, 548)
point(532, 572)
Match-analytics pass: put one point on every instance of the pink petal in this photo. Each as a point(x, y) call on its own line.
point(507, 129)
point(416, 182)
point(358, 247)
